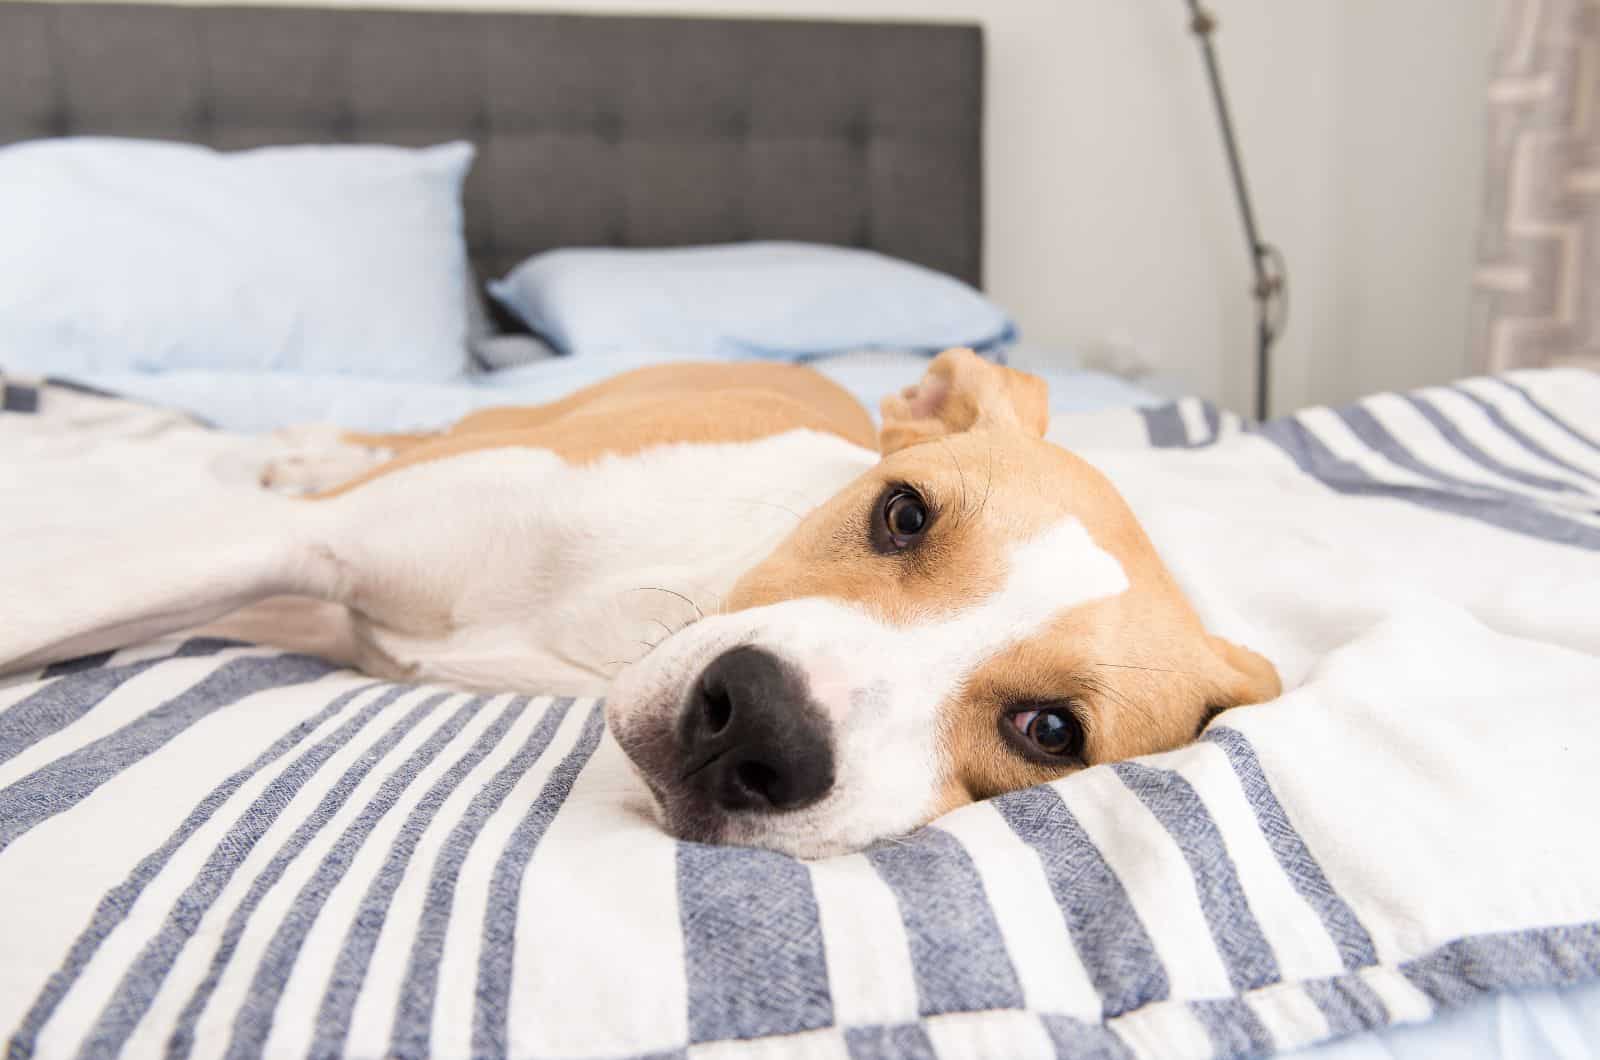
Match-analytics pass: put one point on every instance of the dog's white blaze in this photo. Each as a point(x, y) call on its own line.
point(882, 684)
point(1057, 570)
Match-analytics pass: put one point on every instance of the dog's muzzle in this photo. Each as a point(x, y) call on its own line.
point(792, 727)
point(750, 738)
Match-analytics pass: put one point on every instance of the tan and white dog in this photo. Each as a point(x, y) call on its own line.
point(809, 638)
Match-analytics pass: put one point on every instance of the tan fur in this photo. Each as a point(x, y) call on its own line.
point(963, 392)
point(646, 407)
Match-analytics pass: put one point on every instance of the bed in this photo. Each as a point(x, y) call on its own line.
point(212, 848)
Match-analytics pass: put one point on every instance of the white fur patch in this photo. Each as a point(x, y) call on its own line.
point(511, 568)
point(310, 457)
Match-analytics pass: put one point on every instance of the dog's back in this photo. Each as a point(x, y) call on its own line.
point(657, 405)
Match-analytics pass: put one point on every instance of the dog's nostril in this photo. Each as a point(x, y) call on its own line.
point(758, 778)
point(718, 706)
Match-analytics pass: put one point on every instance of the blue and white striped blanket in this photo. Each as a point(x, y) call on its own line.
point(210, 849)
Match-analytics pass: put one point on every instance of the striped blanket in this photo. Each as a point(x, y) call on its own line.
point(210, 849)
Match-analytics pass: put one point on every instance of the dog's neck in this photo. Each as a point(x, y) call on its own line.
point(627, 550)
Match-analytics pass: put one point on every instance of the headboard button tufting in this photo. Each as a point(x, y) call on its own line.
point(594, 129)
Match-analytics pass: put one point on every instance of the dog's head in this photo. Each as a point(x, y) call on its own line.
point(978, 613)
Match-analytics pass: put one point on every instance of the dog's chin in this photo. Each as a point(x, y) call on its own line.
point(695, 824)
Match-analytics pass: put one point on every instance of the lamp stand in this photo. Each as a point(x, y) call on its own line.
point(1271, 291)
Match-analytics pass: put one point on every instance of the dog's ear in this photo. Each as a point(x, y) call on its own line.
point(1238, 678)
point(963, 392)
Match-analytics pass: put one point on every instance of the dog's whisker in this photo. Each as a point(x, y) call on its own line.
point(717, 609)
point(988, 485)
point(700, 501)
point(670, 592)
point(1110, 692)
point(1135, 666)
point(768, 504)
point(960, 473)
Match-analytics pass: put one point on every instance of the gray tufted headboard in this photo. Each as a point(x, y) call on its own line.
point(591, 130)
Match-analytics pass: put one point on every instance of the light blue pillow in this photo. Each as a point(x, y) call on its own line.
point(137, 255)
point(788, 301)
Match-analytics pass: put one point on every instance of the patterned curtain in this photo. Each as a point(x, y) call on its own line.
point(1537, 286)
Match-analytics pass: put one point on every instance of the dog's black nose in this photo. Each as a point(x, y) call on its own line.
point(751, 737)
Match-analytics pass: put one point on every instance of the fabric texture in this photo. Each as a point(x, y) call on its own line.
point(149, 256)
point(210, 849)
point(1537, 284)
point(592, 131)
point(770, 301)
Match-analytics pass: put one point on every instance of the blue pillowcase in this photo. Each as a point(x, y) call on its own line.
point(776, 301)
point(131, 255)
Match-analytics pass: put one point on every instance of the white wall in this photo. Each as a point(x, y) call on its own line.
point(1410, 141)
point(1109, 217)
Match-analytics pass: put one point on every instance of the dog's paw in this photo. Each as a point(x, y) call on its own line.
point(315, 457)
point(309, 436)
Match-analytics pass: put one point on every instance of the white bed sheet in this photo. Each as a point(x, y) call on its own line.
point(1509, 1026)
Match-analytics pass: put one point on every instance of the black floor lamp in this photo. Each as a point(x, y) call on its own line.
point(1271, 290)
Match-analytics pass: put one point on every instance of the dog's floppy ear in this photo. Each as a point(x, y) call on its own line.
point(1238, 678)
point(963, 392)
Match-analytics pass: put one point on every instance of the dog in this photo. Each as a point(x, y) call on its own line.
point(811, 634)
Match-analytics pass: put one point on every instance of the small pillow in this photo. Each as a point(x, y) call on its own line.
point(137, 255)
point(781, 301)
point(499, 352)
point(491, 350)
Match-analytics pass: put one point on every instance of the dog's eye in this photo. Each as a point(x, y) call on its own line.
point(1053, 731)
point(904, 519)
point(906, 515)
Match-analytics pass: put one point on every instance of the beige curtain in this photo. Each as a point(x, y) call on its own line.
point(1537, 285)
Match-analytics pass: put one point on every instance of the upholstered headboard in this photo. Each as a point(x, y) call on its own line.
point(591, 130)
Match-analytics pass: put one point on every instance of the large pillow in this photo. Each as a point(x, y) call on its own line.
point(135, 255)
point(791, 301)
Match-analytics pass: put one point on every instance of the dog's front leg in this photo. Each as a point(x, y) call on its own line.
point(68, 595)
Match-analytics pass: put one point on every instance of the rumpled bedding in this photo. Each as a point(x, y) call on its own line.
point(211, 849)
point(266, 401)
